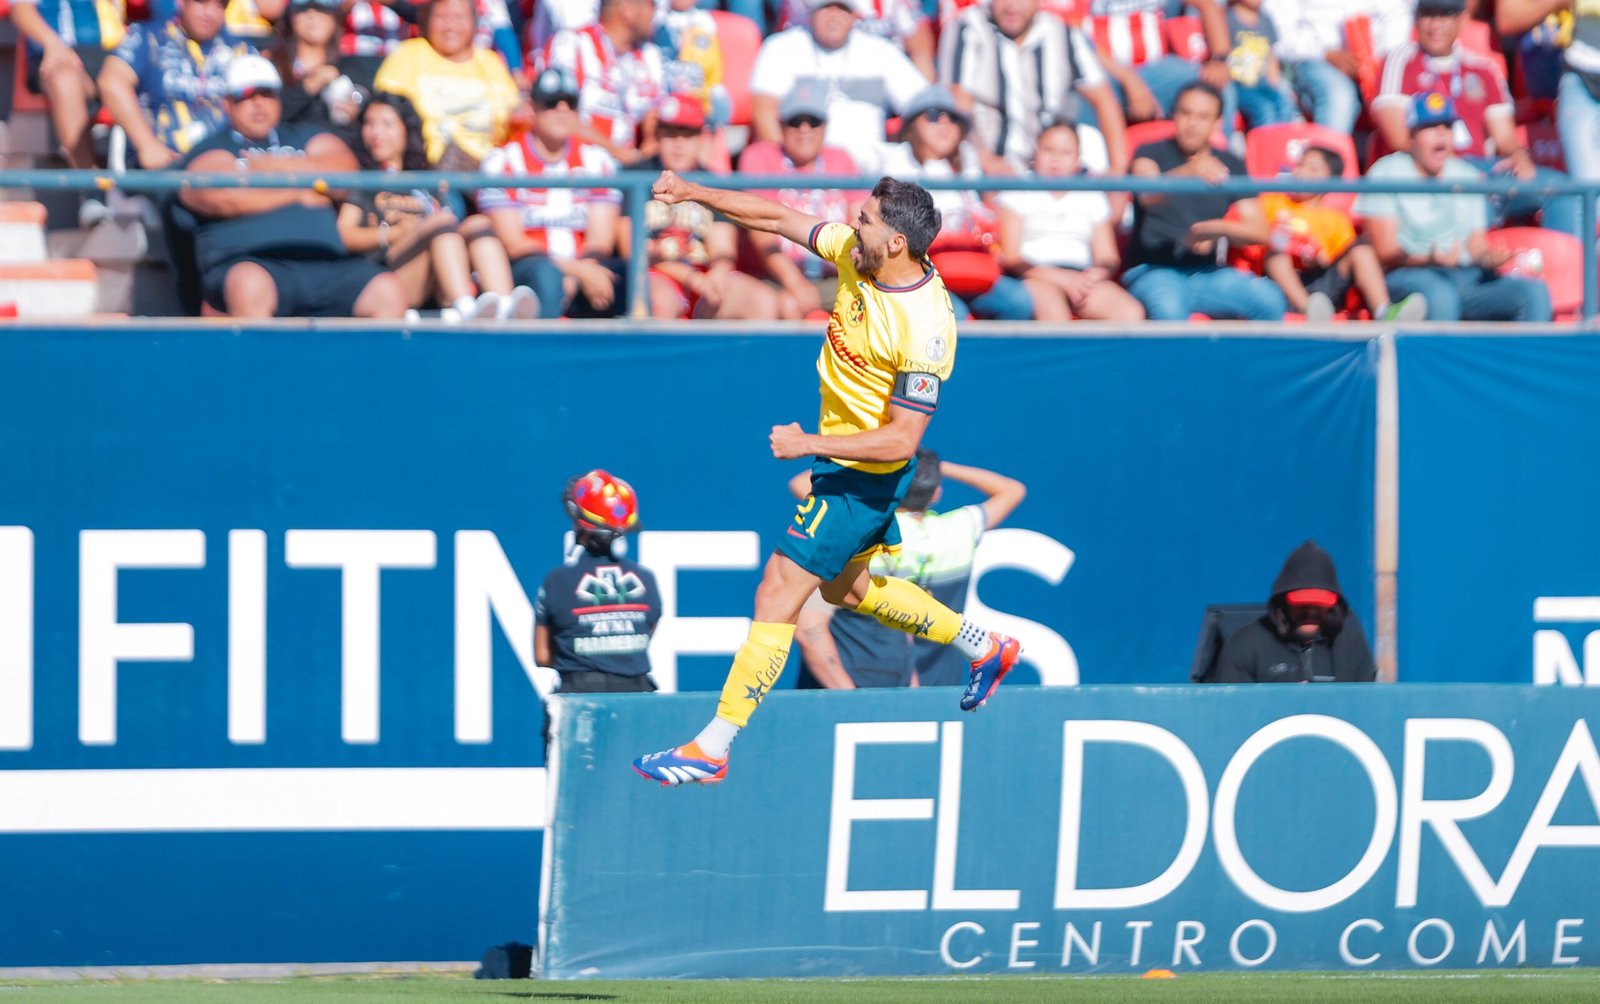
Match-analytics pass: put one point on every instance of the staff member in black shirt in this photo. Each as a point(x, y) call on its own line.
point(595, 614)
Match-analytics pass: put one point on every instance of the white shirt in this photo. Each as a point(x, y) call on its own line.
point(961, 210)
point(865, 79)
point(1058, 227)
point(1309, 28)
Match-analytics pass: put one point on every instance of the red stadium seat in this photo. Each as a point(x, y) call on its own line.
point(740, 39)
point(1185, 38)
point(1271, 149)
point(1552, 256)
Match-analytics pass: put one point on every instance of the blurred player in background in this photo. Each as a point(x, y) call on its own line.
point(891, 344)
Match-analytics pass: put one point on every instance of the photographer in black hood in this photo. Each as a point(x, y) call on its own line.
point(1308, 634)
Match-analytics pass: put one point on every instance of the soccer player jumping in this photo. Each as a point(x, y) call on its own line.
point(890, 346)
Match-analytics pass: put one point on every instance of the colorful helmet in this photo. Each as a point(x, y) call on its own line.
point(603, 502)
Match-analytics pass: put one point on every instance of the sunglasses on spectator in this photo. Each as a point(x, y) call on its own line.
point(556, 102)
point(270, 93)
point(804, 120)
point(939, 115)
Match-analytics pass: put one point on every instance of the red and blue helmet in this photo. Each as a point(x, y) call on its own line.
point(603, 502)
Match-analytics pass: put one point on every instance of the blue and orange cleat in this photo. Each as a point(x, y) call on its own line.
point(684, 765)
point(990, 670)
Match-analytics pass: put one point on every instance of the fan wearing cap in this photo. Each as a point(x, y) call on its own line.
point(1433, 242)
point(865, 78)
point(595, 613)
point(692, 250)
point(1309, 634)
point(805, 281)
point(935, 146)
point(902, 23)
point(562, 241)
point(276, 252)
point(1484, 132)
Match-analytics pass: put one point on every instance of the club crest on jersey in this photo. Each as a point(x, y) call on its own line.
point(935, 348)
point(923, 387)
point(858, 310)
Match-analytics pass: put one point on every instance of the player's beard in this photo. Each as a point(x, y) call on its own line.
point(868, 261)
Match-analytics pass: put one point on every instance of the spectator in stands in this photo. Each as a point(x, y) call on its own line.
point(1264, 98)
point(620, 76)
point(1309, 634)
point(66, 44)
point(1331, 52)
point(562, 241)
point(1535, 35)
point(691, 55)
point(1129, 36)
point(1433, 243)
point(1018, 66)
point(276, 252)
point(866, 79)
point(1485, 130)
point(165, 83)
point(935, 147)
point(693, 253)
point(496, 33)
point(1062, 245)
point(1174, 247)
point(425, 243)
point(1571, 33)
point(306, 53)
point(902, 23)
point(846, 650)
point(464, 94)
point(806, 281)
point(1313, 254)
point(373, 30)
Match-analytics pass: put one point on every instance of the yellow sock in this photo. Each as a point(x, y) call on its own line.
point(756, 667)
point(898, 604)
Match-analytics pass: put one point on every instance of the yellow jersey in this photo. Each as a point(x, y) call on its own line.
point(885, 345)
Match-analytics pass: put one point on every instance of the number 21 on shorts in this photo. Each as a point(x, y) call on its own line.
point(804, 519)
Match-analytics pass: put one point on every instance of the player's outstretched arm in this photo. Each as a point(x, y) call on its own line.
point(749, 211)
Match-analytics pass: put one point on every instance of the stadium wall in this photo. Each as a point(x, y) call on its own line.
point(266, 684)
point(1093, 830)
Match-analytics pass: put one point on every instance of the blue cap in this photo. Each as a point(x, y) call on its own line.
point(1430, 109)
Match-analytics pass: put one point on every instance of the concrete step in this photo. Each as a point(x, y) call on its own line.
point(61, 288)
point(22, 232)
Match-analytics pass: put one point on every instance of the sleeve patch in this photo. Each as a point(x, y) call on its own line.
point(917, 390)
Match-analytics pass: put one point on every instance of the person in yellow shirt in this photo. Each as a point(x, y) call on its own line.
point(1314, 257)
point(890, 347)
point(464, 94)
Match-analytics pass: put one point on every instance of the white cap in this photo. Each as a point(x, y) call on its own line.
point(251, 73)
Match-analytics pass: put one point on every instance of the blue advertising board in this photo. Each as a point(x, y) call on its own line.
point(265, 595)
point(1499, 544)
point(1096, 830)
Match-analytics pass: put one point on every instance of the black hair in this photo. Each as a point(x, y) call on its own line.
point(908, 208)
point(924, 483)
point(1331, 157)
point(1202, 87)
point(415, 156)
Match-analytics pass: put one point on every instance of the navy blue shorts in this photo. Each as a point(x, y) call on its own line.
point(310, 287)
point(848, 515)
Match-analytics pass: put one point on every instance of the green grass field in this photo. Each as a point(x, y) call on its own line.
point(1226, 988)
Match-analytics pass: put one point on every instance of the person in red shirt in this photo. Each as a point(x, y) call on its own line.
point(1485, 134)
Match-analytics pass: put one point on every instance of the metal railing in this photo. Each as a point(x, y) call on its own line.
point(635, 189)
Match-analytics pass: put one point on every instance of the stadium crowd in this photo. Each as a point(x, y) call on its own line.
point(521, 90)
